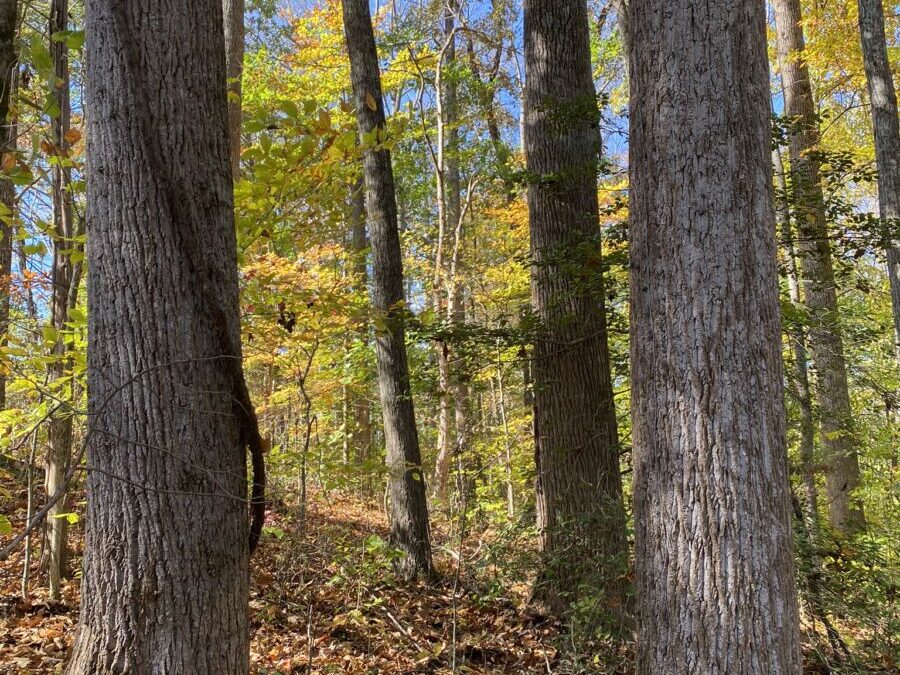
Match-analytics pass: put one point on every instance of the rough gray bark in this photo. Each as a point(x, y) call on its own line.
point(64, 275)
point(826, 346)
point(408, 508)
point(580, 513)
point(714, 567)
point(883, 99)
point(165, 585)
point(233, 15)
point(8, 60)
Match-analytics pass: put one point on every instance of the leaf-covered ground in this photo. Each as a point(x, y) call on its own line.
point(324, 600)
point(327, 597)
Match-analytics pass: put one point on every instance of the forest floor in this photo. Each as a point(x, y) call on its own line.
point(324, 596)
point(323, 599)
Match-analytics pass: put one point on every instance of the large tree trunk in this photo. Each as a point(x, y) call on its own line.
point(883, 99)
point(165, 585)
point(8, 60)
point(409, 511)
point(820, 294)
point(59, 430)
point(714, 561)
point(581, 518)
point(233, 14)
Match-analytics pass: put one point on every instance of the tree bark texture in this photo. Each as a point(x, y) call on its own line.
point(714, 565)
point(408, 507)
point(883, 99)
point(819, 290)
point(165, 586)
point(580, 514)
point(233, 11)
point(8, 61)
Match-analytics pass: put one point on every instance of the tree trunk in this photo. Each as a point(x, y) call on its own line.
point(621, 8)
point(883, 99)
point(165, 586)
point(820, 295)
point(408, 508)
point(233, 11)
point(797, 339)
point(460, 388)
point(714, 554)
point(507, 443)
point(8, 60)
point(445, 421)
point(448, 194)
point(359, 244)
point(581, 518)
point(59, 432)
point(808, 514)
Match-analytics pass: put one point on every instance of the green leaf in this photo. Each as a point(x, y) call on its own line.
point(375, 543)
point(276, 532)
point(40, 55)
point(77, 315)
point(51, 335)
point(37, 248)
point(5, 525)
point(290, 109)
point(73, 39)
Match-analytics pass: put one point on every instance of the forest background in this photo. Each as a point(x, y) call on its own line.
point(307, 328)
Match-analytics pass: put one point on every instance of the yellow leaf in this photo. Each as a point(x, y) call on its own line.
point(324, 119)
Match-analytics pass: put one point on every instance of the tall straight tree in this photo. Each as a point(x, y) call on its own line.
point(581, 518)
point(883, 99)
point(8, 60)
point(65, 279)
point(165, 585)
point(233, 14)
point(714, 563)
point(826, 344)
point(446, 169)
point(408, 508)
point(361, 437)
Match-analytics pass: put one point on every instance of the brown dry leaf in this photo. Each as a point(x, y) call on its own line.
point(8, 163)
